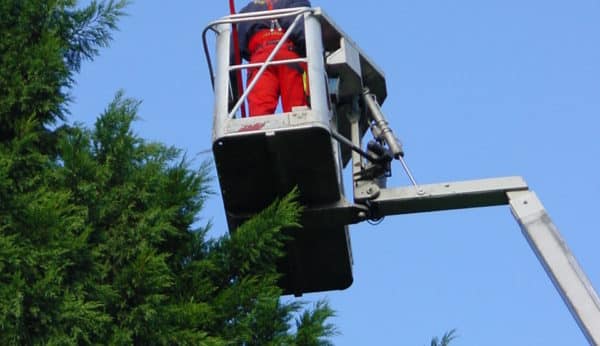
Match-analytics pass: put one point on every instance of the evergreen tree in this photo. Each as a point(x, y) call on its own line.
point(445, 340)
point(99, 240)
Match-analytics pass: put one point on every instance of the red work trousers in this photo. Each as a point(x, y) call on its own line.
point(283, 80)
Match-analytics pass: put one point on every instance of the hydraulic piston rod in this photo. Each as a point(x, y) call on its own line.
point(382, 124)
point(385, 131)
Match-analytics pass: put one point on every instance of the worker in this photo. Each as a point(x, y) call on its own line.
point(257, 41)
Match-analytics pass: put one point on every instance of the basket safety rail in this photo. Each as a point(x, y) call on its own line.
point(297, 13)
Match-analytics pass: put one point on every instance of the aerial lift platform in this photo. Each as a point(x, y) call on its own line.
point(261, 158)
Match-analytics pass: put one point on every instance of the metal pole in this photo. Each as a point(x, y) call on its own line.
point(561, 266)
point(237, 56)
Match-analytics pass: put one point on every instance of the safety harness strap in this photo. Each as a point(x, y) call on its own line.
point(274, 22)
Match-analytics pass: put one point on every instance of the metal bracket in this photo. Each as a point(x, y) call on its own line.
point(365, 190)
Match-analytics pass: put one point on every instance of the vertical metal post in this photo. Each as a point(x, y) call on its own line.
point(353, 116)
point(316, 67)
point(237, 56)
point(221, 86)
point(558, 261)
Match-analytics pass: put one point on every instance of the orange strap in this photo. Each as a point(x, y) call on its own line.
point(269, 5)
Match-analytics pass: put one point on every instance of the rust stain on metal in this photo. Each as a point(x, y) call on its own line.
point(252, 127)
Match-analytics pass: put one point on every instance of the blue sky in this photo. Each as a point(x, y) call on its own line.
point(476, 89)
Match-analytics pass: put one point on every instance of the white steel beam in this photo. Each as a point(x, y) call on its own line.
point(446, 196)
point(558, 261)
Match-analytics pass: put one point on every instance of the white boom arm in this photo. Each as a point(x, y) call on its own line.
point(558, 261)
point(544, 238)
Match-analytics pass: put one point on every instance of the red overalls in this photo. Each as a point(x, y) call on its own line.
point(285, 79)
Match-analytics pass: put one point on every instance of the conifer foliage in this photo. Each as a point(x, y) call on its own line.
point(99, 235)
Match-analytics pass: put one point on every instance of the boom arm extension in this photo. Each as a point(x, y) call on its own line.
point(558, 261)
point(542, 235)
